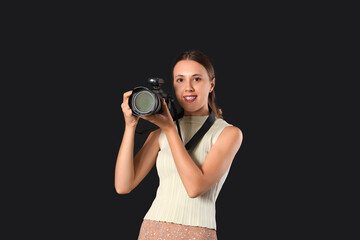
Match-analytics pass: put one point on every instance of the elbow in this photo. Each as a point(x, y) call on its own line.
point(196, 188)
point(122, 190)
point(193, 193)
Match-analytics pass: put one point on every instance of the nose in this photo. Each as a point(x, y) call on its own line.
point(189, 87)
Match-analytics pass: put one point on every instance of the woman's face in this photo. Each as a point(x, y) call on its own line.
point(192, 87)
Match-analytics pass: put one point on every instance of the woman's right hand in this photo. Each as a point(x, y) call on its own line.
point(130, 119)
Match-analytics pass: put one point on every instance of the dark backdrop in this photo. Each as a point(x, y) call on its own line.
point(76, 65)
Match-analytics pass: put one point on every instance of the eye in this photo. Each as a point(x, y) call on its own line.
point(179, 80)
point(197, 79)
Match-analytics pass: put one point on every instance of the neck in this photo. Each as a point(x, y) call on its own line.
point(202, 112)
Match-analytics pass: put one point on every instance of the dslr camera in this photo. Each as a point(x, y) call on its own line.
point(144, 101)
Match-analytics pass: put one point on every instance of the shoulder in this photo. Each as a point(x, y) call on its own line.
point(222, 122)
point(233, 132)
point(219, 125)
point(226, 131)
point(231, 136)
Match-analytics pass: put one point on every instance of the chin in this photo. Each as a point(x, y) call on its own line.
point(191, 109)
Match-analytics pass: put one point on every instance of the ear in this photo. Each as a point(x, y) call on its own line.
point(212, 84)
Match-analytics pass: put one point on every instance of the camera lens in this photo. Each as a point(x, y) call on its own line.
point(144, 102)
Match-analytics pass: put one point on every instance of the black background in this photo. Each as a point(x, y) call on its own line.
point(75, 63)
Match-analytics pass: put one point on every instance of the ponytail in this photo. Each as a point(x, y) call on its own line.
point(217, 111)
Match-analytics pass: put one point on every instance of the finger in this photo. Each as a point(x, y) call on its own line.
point(164, 104)
point(125, 106)
point(126, 95)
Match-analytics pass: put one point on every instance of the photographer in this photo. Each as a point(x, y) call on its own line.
point(190, 179)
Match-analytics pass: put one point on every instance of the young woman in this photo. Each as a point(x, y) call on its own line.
point(190, 181)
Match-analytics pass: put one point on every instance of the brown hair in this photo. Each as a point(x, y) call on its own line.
point(201, 58)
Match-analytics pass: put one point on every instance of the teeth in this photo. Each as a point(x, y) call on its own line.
point(190, 98)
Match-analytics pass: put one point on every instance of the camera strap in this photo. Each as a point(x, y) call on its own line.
point(201, 132)
point(197, 136)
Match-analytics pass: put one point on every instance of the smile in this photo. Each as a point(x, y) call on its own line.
point(190, 98)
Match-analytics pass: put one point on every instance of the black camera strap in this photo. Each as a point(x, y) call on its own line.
point(201, 132)
point(197, 136)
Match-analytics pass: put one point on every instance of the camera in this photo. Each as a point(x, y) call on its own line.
point(144, 101)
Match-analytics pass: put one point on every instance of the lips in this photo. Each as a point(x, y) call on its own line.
point(190, 98)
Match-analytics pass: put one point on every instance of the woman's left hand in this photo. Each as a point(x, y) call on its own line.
point(164, 119)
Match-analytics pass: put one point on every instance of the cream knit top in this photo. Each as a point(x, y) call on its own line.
point(172, 203)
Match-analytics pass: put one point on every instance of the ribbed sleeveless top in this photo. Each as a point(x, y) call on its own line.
point(172, 203)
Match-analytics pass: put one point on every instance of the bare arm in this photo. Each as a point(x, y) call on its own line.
point(130, 171)
point(199, 180)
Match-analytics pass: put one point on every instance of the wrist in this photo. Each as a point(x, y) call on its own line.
point(170, 129)
point(131, 124)
point(130, 128)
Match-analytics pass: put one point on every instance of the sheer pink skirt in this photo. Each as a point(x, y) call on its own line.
point(154, 230)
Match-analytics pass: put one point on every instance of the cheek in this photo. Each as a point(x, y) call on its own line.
point(204, 89)
point(177, 89)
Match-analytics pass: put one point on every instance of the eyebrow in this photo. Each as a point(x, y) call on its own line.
point(196, 74)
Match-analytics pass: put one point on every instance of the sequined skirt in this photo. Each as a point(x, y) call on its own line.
point(155, 230)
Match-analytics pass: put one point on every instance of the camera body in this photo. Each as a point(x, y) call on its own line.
point(144, 101)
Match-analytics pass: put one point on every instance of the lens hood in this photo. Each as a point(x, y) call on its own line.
point(144, 101)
